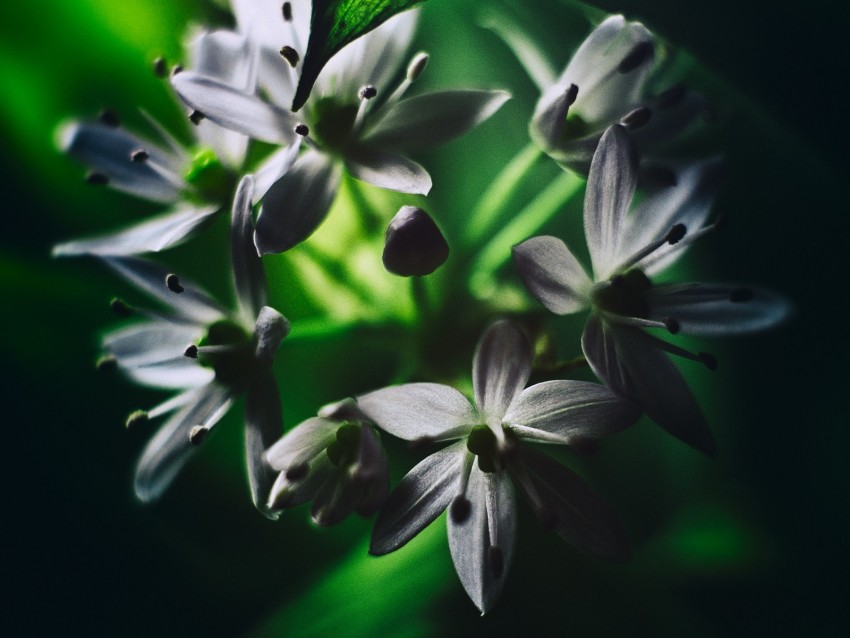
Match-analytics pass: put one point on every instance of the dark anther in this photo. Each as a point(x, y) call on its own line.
point(172, 282)
point(460, 510)
point(121, 308)
point(287, 11)
point(741, 295)
point(139, 155)
point(136, 418)
point(197, 434)
point(177, 69)
point(637, 118)
point(302, 129)
point(672, 325)
point(195, 117)
point(106, 362)
point(191, 351)
point(708, 360)
point(97, 179)
point(290, 55)
point(109, 117)
point(298, 472)
point(496, 560)
point(638, 55)
point(676, 234)
point(571, 94)
point(368, 92)
point(160, 67)
point(670, 97)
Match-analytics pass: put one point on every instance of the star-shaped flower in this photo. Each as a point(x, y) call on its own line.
point(626, 250)
point(354, 120)
point(210, 355)
point(474, 477)
point(336, 460)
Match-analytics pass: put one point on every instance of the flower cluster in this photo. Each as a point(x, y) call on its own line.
point(248, 148)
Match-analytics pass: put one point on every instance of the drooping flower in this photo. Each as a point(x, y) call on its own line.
point(626, 249)
point(474, 477)
point(335, 460)
point(353, 119)
point(195, 181)
point(211, 356)
point(603, 83)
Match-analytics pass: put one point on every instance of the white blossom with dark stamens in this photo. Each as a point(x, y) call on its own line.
point(626, 249)
point(474, 477)
point(195, 181)
point(365, 137)
point(603, 83)
point(335, 460)
point(211, 356)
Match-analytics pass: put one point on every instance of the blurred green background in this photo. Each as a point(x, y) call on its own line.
point(752, 543)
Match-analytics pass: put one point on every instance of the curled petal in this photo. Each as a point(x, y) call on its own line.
point(263, 424)
point(501, 367)
point(388, 170)
point(302, 443)
point(552, 274)
point(249, 278)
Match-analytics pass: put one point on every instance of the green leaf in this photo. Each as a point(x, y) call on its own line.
point(334, 24)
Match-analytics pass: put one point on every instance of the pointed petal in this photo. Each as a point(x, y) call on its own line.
point(297, 203)
point(151, 342)
point(552, 274)
point(580, 517)
point(631, 365)
point(550, 117)
point(287, 493)
point(482, 545)
point(418, 499)
point(335, 500)
point(501, 367)
point(263, 425)
point(302, 443)
point(388, 170)
point(192, 304)
point(709, 310)
point(273, 168)
point(153, 235)
point(416, 410)
point(270, 329)
point(108, 150)
point(610, 187)
point(170, 449)
point(249, 278)
point(234, 109)
point(433, 118)
point(559, 411)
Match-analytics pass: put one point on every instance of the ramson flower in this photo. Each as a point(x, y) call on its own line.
point(335, 460)
point(194, 181)
point(604, 83)
point(209, 355)
point(354, 119)
point(626, 249)
point(474, 477)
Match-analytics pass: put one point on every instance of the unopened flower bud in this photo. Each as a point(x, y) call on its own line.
point(414, 245)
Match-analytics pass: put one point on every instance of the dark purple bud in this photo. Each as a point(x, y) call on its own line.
point(414, 245)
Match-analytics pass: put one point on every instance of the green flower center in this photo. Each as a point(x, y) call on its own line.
point(210, 179)
point(332, 123)
point(624, 295)
point(231, 355)
point(482, 443)
point(575, 128)
point(345, 450)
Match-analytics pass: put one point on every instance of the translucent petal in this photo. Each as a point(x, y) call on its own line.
point(501, 367)
point(552, 274)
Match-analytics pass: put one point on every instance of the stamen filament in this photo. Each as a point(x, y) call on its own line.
point(673, 236)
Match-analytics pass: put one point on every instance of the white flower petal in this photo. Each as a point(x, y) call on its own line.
point(418, 499)
point(552, 274)
point(709, 309)
point(165, 455)
point(335, 500)
point(501, 367)
point(108, 150)
point(178, 374)
point(388, 170)
point(270, 329)
point(433, 118)
point(579, 516)
point(560, 411)
point(287, 493)
point(234, 109)
point(482, 560)
point(249, 278)
point(610, 187)
point(550, 118)
point(263, 425)
point(302, 443)
point(297, 203)
point(273, 168)
point(263, 21)
point(153, 235)
point(151, 342)
point(419, 410)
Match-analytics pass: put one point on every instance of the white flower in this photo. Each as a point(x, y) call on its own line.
point(209, 355)
point(196, 182)
point(625, 250)
point(474, 476)
point(336, 460)
point(352, 120)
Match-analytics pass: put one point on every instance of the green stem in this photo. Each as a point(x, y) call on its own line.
point(420, 298)
point(370, 220)
point(493, 202)
point(564, 366)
